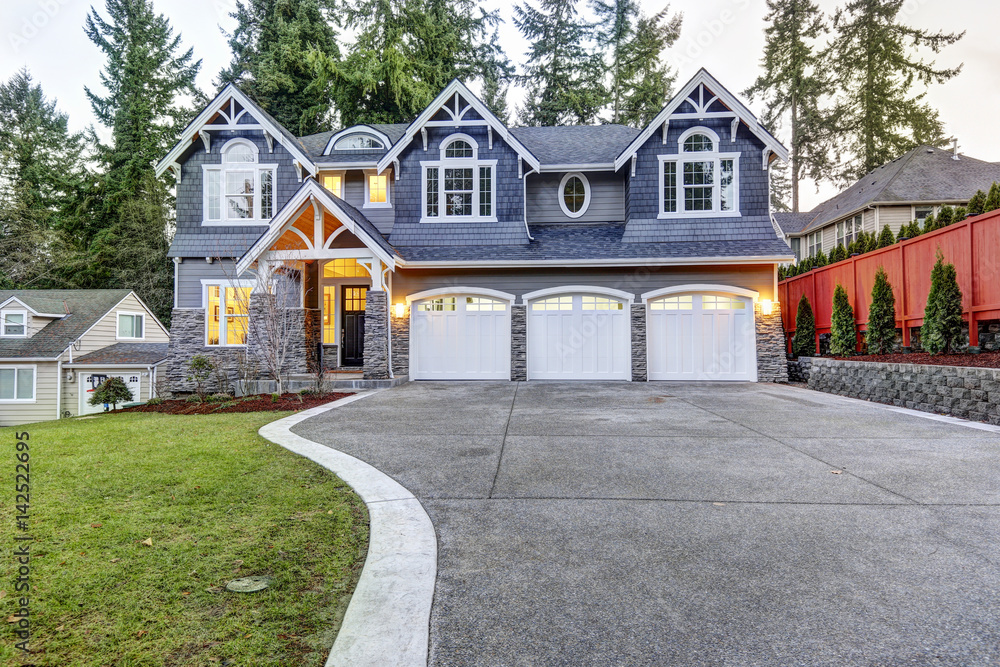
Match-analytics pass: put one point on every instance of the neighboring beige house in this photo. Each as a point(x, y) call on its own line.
point(909, 188)
point(57, 345)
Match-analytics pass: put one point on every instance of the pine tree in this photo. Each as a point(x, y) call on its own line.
point(977, 205)
point(820, 259)
point(875, 66)
point(843, 333)
point(794, 84)
point(779, 185)
point(992, 199)
point(881, 333)
point(838, 254)
point(961, 213)
point(886, 238)
point(564, 78)
point(633, 43)
point(942, 325)
point(496, 82)
point(930, 224)
point(42, 166)
point(804, 341)
point(945, 217)
point(269, 44)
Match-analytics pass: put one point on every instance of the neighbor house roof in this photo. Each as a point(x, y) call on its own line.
point(790, 223)
point(81, 308)
point(924, 175)
point(120, 354)
point(576, 145)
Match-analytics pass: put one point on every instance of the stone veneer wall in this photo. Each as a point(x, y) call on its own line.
point(518, 342)
point(187, 338)
point(400, 331)
point(376, 354)
point(772, 362)
point(969, 393)
point(638, 342)
point(799, 369)
point(304, 331)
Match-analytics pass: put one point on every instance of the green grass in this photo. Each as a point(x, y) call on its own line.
point(218, 502)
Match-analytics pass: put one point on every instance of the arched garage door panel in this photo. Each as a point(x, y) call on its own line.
point(579, 337)
point(701, 337)
point(461, 337)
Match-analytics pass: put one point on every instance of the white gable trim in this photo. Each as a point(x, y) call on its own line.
point(201, 121)
point(6, 306)
point(723, 95)
point(356, 129)
point(454, 88)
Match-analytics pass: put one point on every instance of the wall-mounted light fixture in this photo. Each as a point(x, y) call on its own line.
point(766, 306)
point(399, 309)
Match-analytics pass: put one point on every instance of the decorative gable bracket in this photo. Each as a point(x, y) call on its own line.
point(735, 126)
point(765, 154)
point(635, 157)
point(205, 139)
point(270, 141)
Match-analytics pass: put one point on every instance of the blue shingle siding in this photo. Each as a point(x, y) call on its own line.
point(192, 239)
point(509, 228)
point(642, 203)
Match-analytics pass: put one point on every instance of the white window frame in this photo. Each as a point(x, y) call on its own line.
point(913, 211)
point(813, 249)
point(222, 167)
point(388, 189)
point(715, 157)
point(343, 181)
point(3, 322)
point(223, 330)
point(586, 194)
point(129, 313)
point(34, 383)
point(366, 135)
point(473, 163)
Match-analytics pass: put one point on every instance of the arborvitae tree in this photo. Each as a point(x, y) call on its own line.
point(42, 167)
point(871, 241)
point(639, 81)
point(886, 238)
point(961, 213)
point(881, 333)
point(904, 233)
point(943, 314)
point(875, 64)
point(270, 43)
point(146, 80)
point(794, 84)
point(977, 205)
point(564, 78)
point(945, 216)
point(930, 224)
point(804, 341)
point(843, 332)
point(992, 199)
point(853, 248)
point(838, 254)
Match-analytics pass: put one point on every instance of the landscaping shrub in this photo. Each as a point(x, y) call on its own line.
point(156, 400)
point(992, 199)
point(200, 368)
point(804, 341)
point(930, 224)
point(886, 238)
point(945, 217)
point(977, 205)
point(843, 333)
point(838, 254)
point(194, 398)
point(219, 397)
point(881, 333)
point(943, 314)
point(961, 213)
point(113, 391)
point(819, 260)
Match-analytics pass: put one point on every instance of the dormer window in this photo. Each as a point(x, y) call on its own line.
point(699, 180)
point(358, 142)
point(14, 323)
point(240, 190)
point(459, 187)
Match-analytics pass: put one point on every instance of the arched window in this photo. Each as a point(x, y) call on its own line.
point(458, 148)
point(574, 194)
point(239, 190)
point(459, 187)
point(699, 180)
point(699, 143)
point(358, 142)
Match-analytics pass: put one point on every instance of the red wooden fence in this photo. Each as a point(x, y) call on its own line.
point(972, 245)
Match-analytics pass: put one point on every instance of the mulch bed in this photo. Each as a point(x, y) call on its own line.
point(258, 403)
point(983, 360)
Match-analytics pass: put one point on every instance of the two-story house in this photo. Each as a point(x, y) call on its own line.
point(455, 247)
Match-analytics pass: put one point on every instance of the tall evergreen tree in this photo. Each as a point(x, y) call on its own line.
point(804, 341)
point(496, 83)
point(881, 331)
point(942, 325)
point(843, 332)
point(794, 84)
point(41, 165)
point(779, 186)
point(633, 44)
point(873, 59)
point(564, 77)
point(270, 43)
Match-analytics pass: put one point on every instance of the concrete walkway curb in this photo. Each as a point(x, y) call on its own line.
point(388, 619)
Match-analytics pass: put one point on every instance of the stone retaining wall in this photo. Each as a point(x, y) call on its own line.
point(799, 369)
point(969, 393)
point(772, 363)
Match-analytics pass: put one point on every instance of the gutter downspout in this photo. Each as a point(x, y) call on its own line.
point(59, 388)
point(524, 182)
point(151, 370)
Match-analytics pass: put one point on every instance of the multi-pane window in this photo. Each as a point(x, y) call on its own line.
point(344, 268)
point(553, 303)
point(17, 384)
point(479, 304)
point(715, 302)
point(601, 303)
point(847, 230)
point(227, 315)
point(683, 302)
point(378, 189)
point(355, 299)
point(445, 303)
point(335, 184)
point(797, 248)
point(14, 323)
point(459, 186)
point(920, 213)
point(329, 319)
point(815, 242)
point(239, 190)
point(699, 179)
point(358, 142)
point(130, 325)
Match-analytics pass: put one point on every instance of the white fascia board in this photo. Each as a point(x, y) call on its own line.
point(106, 364)
point(609, 166)
point(18, 360)
point(645, 261)
point(202, 119)
point(702, 77)
point(456, 86)
point(326, 166)
point(21, 304)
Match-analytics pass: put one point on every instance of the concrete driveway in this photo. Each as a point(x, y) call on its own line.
point(666, 524)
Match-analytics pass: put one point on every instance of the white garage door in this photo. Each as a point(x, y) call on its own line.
point(579, 337)
point(460, 338)
point(701, 337)
point(89, 381)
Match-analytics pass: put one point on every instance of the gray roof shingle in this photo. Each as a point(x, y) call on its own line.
point(791, 223)
point(315, 144)
point(576, 144)
point(146, 354)
point(83, 307)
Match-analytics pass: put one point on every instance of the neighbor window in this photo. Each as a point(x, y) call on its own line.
point(239, 190)
point(797, 248)
point(847, 230)
point(130, 325)
point(699, 179)
point(920, 213)
point(335, 184)
point(17, 384)
point(574, 195)
point(14, 323)
point(377, 189)
point(459, 186)
point(227, 315)
point(815, 243)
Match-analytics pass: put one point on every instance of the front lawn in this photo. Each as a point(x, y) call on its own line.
point(217, 502)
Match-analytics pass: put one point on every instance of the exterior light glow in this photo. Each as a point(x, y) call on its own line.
point(399, 309)
point(766, 307)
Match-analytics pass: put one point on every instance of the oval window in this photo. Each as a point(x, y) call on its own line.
point(574, 195)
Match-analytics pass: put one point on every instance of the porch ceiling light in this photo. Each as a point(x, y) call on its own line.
point(399, 309)
point(766, 306)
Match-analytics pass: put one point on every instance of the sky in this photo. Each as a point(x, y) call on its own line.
point(724, 36)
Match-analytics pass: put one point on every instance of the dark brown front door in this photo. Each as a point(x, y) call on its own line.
point(354, 326)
